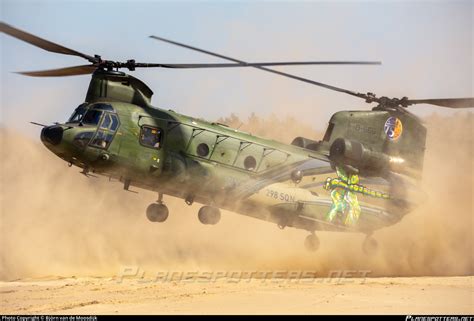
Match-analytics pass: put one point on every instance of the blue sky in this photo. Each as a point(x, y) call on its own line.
point(426, 49)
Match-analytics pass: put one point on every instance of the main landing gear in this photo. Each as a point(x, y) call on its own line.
point(157, 212)
point(209, 215)
point(311, 243)
point(370, 245)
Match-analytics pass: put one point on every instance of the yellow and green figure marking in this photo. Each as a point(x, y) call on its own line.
point(344, 199)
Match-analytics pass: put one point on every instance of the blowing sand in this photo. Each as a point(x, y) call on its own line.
point(65, 238)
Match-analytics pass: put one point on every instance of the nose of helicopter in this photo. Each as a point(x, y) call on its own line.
point(52, 135)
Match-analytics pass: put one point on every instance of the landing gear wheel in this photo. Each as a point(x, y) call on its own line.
point(370, 245)
point(157, 212)
point(209, 215)
point(311, 243)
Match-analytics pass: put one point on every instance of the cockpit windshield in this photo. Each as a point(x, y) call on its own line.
point(78, 114)
point(92, 117)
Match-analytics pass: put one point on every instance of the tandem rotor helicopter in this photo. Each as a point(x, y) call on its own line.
point(360, 177)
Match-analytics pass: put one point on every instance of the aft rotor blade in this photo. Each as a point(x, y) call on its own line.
point(42, 43)
point(259, 64)
point(353, 93)
point(445, 102)
point(60, 72)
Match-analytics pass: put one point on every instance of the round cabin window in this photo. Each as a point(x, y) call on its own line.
point(202, 150)
point(250, 163)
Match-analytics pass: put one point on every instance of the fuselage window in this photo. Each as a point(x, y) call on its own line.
point(150, 136)
point(250, 163)
point(202, 150)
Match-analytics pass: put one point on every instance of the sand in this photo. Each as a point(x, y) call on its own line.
point(420, 295)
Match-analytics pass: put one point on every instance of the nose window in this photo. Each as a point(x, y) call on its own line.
point(82, 139)
point(102, 139)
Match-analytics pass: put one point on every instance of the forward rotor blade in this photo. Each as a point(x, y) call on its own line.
point(60, 72)
point(353, 93)
point(445, 102)
point(258, 64)
point(42, 43)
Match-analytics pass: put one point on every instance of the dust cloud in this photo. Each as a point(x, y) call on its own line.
point(56, 222)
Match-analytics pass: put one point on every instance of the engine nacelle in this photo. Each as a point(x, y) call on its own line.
point(355, 154)
point(305, 143)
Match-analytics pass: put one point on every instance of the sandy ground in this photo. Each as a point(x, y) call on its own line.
point(420, 295)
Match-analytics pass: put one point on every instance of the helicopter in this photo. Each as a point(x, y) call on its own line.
point(361, 176)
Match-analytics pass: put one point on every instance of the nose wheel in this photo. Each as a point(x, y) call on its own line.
point(209, 215)
point(311, 243)
point(157, 212)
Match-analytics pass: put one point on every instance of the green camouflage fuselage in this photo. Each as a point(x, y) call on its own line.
point(216, 165)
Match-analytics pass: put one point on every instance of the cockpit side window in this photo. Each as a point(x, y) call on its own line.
point(106, 121)
point(106, 131)
point(150, 136)
point(109, 121)
point(115, 122)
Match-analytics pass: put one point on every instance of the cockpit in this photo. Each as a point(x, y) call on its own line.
point(102, 121)
point(91, 115)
